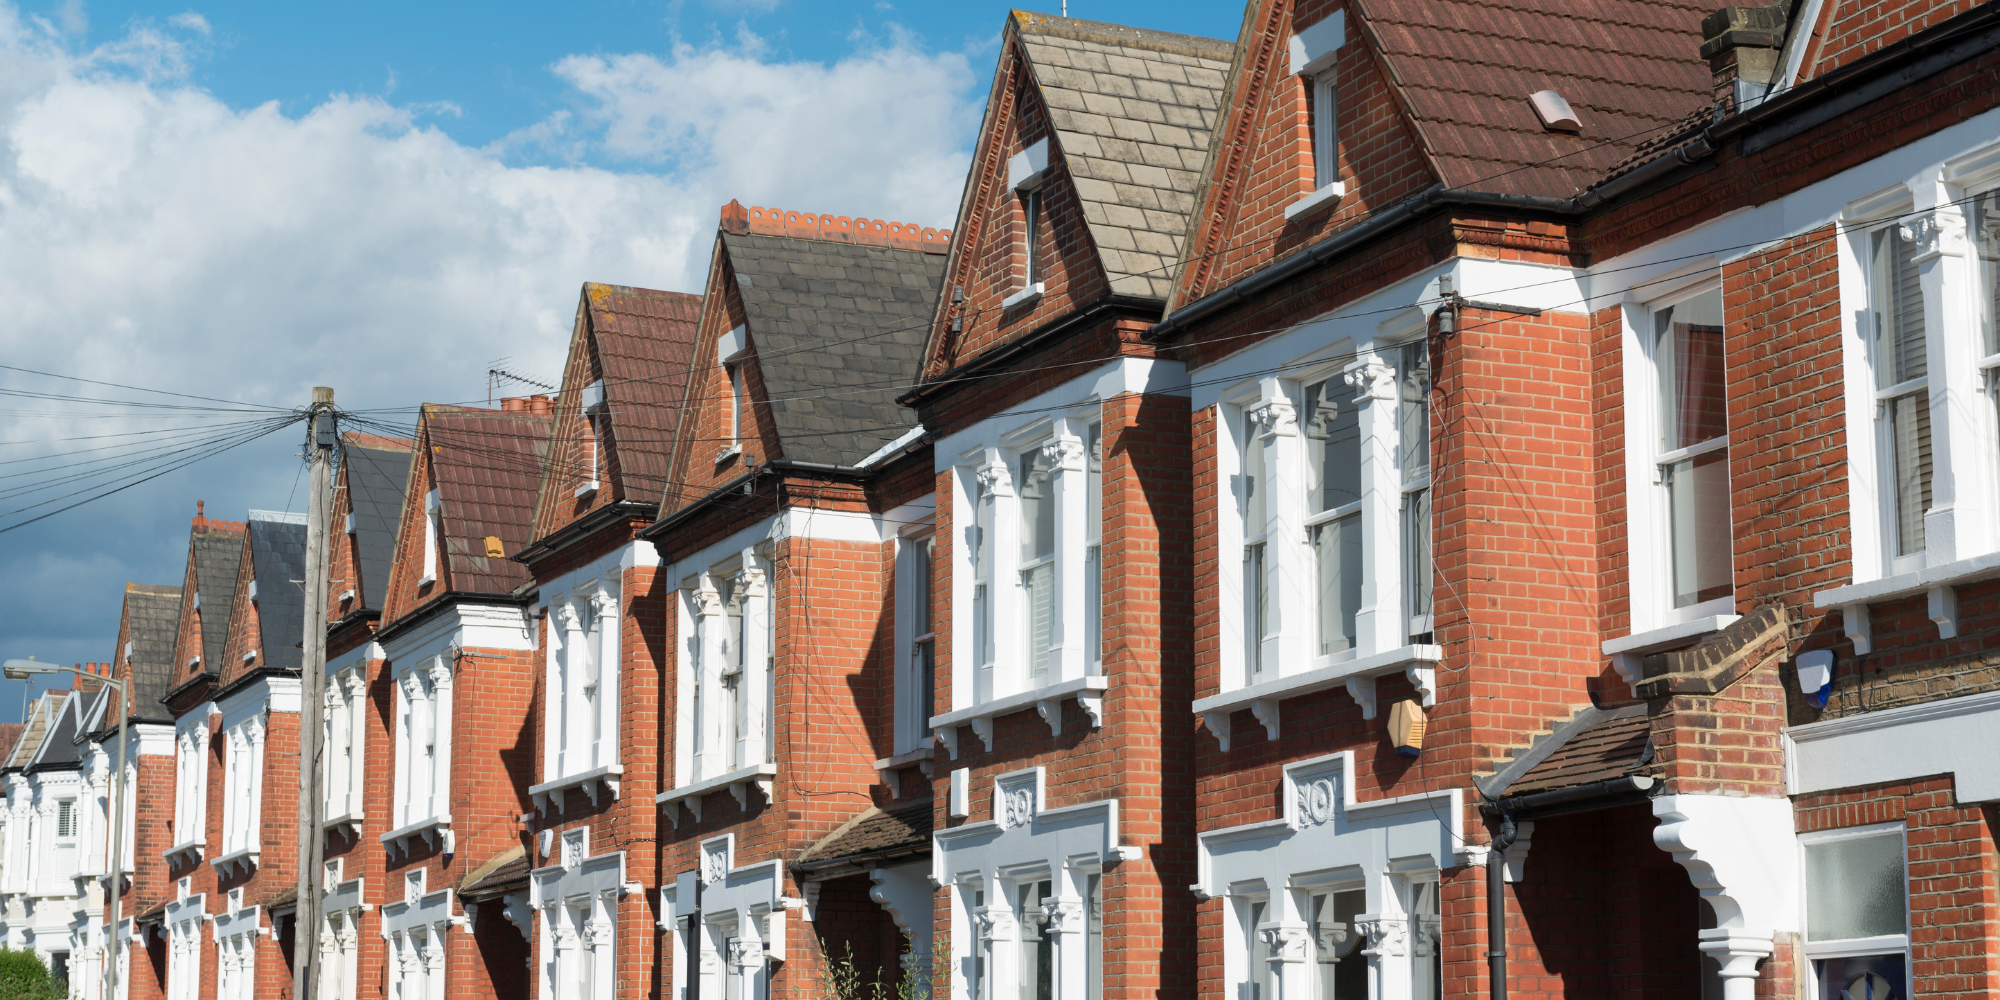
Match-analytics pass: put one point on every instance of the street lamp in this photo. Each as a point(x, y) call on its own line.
point(21, 670)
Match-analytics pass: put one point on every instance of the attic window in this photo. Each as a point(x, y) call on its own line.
point(431, 532)
point(1313, 51)
point(1554, 112)
point(729, 348)
point(594, 415)
point(350, 522)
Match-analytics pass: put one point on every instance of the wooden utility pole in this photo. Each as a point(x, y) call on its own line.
point(320, 433)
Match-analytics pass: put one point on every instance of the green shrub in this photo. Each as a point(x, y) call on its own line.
point(24, 977)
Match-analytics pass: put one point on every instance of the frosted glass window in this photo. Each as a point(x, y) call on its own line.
point(1855, 888)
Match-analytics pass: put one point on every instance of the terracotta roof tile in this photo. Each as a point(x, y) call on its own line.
point(488, 469)
point(1631, 69)
point(645, 339)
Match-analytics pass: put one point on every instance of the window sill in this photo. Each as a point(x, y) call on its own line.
point(185, 852)
point(738, 782)
point(346, 822)
point(728, 453)
point(921, 756)
point(1323, 198)
point(435, 830)
point(551, 792)
point(1088, 691)
point(587, 489)
point(1023, 297)
point(245, 859)
point(427, 579)
point(1627, 651)
point(1937, 582)
point(1358, 675)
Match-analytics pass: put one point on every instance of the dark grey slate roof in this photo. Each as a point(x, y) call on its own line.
point(152, 617)
point(839, 331)
point(217, 555)
point(60, 747)
point(375, 481)
point(277, 557)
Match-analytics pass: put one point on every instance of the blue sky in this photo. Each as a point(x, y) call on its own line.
point(244, 200)
point(485, 68)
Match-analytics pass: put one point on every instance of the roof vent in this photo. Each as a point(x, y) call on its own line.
point(1554, 112)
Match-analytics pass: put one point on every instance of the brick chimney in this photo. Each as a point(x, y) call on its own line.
point(1742, 46)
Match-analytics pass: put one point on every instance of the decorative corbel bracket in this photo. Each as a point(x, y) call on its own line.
point(1266, 712)
point(1362, 690)
point(1854, 622)
point(1218, 726)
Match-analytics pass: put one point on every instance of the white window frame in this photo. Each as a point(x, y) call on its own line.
point(1313, 51)
point(236, 936)
point(1649, 544)
point(1814, 951)
point(1960, 538)
point(915, 554)
point(242, 793)
point(986, 488)
point(1025, 173)
point(1385, 640)
point(184, 918)
point(585, 627)
point(595, 415)
point(725, 665)
point(417, 928)
point(420, 801)
point(190, 785)
point(346, 742)
point(730, 349)
point(433, 516)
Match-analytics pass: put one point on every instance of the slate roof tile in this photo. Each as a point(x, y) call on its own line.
point(839, 332)
point(217, 553)
point(152, 621)
point(377, 474)
point(277, 557)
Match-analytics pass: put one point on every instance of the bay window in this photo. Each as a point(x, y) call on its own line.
point(1033, 564)
point(1986, 273)
point(423, 724)
point(346, 742)
point(1328, 476)
point(190, 788)
point(727, 667)
point(1857, 912)
point(242, 794)
point(580, 741)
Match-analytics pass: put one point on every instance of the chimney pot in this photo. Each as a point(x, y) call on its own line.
point(539, 403)
point(513, 404)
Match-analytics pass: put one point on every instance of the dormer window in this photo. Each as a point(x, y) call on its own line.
point(1320, 130)
point(1031, 210)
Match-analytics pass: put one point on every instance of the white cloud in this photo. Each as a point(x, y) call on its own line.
point(151, 234)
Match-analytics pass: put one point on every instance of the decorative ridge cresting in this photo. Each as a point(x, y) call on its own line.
point(204, 524)
point(833, 228)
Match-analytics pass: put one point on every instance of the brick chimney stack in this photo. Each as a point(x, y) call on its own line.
point(1742, 47)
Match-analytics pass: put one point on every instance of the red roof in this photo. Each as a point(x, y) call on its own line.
point(488, 469)
point(1629, 68)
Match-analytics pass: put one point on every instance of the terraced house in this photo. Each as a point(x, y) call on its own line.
point(1423, 500)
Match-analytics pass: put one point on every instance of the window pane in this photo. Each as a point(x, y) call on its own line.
point(1038, 583)
point(1417, 545)
point(1031, 206)
point(1899, 311)
point(1426, 953)
point(1256, 608)
point(1333, 446)
point(1337, 550)
point(1862, 977)
point(1698, 505)
point(1340, 971)
point(1986, 248)
point(1311, 88)
point(1093, 582)
point(1252, 499)
point(1909, 429)
point(1687, 350)
point(1854, 888)
point(1413, 412)
point(1038, 507)
point(1037, 951)
point(1260, 956)
point(1093, 930)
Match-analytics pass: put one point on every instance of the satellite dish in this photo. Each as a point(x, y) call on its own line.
point(1868, 986)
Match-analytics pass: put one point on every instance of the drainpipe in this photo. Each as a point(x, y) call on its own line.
point(1496, 906)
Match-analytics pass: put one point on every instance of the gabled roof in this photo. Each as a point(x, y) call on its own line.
point(1595, 744)
point(637, 342)
point(152, 617)
point(838, 331)
point(378, 469)
point(216, 553)
point(278, 557)
point(1465, 69)
point(59, 746)
point(1132, 111)
point(644, 340)
point(488, 469)
point(10, 734)
point(33, 730)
